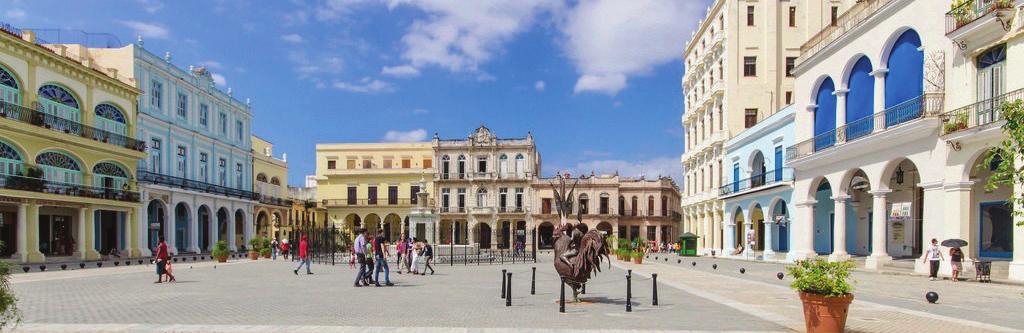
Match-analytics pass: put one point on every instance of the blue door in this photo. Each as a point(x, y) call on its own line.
point(783, 238)
point(778, 163)
point(736, 177)
point(831, 233)
point(995, 226)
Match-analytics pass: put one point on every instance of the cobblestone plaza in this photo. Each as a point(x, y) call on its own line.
point(263, 296)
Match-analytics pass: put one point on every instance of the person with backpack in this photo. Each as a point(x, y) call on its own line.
point(428, 256)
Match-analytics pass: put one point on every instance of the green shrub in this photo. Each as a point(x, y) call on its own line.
point(255, 244)
point(220, 249)
point(821, 277)
point(9, 313)
point(265, 251)
point(637, 254)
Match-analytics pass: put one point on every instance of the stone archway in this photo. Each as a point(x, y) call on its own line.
point(545, 231)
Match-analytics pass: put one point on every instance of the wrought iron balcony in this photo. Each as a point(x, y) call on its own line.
point(972, 10)
point(29, 116)
point(368, 202)
point(754, 182)
point(194, 185)
point(852, 18)
point(22, 183)
point(452, 210)
point(982, 113)
point(926, 105)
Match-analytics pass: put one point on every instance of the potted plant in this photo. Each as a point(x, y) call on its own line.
point(957, 123)
point(220, 251)
point(825, 292)
point(638, 256)
point(254, 246)
point(265, 250)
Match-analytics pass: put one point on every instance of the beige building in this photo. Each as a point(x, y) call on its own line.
point(738, 71)
point(372, 185)
point(482, 186)
point(270, 183)
point(626, 207)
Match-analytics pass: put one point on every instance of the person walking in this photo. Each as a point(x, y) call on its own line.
point(360, 252)
point(956, 259)
point(273, 249)
point(399, 250)
point(284, 249)
point(414, 256)
point(303, 255)
point(380, 260)
point(161, 261)
point(428, 255)
point(933, 257)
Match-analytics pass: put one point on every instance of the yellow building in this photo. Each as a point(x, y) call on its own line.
point(372, 185)
point(67, 154)
point(270, 182)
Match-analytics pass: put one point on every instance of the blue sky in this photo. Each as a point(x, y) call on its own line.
point(597, 82)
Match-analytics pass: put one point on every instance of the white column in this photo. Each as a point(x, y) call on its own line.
point(231, 232)
point(214, 230)
point(142, 230)
point(716, 232)
point(708, 227)
point(933, 222)
point(193, 232)
point(22, 231)
point(171, 226)
point(840, 112)
point(729, 236)
point(839, 230)
point(769, 228)
point(81, 236)
point(879, 255)
point(879, 75)
point(802, 243)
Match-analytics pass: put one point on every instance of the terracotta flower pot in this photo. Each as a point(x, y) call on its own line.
point(266, 255)
point(825, 314)
point(222, 259)
point(638, 260)
point(254, 255)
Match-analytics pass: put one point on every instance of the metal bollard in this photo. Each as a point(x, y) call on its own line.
point(508, 294)
point(561, 298)
point(533, 281)
point(654, 276)
point(584, 291)
point(503, 283)
point(629, 290)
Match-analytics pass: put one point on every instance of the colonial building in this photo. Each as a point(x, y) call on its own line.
point(482, 188)
point(67, 183)
point(372, 185)
point(271, 186)
point(738, 71)
point(625, 207)
point(197, 180)
point(897, 109)
point(757, 190)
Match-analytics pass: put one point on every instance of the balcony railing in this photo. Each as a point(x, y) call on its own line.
point(21, 183)
point(927, 105)
point(453, 209)
point(194, 185)
point(982, 113)
point(372, 202)
point(481, 175)
point(509, 209)
point(273, 201)
point(757, 181)
point(649, 213)
point(29, 116)
point(850, 19)
point(971, 11)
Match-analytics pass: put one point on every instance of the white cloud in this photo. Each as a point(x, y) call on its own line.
point(461, 35)
point(609, 39)
point(400, 71)
point(219, 79)
point(539, 85)
point(151, 6)
point(365, 85)
point(651, 168)
point(211, 64)
point(147, 29)
point(420, 111)
point(15, 14)
point(405, 136)
point(292, 38)
point(306, 68)
point(609, 84)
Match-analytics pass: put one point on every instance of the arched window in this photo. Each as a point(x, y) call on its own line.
point(109, 175)
point(905, 79)
point(10, 160)
point(481, 197)
point(650, 205)
point(9, 91)
point(860, 100)
point(445, 166)
point(503, 166)
point(622, 206)
point(520, 166)
point(261, 177)
point(59, 102)
point(110, 118)
point(461, 167)
point(584, 204)
point(603, 209)
point(632, 210)
point(825, 115)
point(275, 181)
point(58, 167)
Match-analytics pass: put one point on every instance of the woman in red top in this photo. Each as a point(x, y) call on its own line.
point(303, 255)
point(161, 262)
point(284, 249)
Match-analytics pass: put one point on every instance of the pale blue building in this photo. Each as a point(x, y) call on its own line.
point(196, 183)
point(757, 189)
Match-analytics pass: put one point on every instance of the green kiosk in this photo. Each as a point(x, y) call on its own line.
point(688, 244)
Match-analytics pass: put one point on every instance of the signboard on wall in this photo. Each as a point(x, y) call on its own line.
point(900, 211)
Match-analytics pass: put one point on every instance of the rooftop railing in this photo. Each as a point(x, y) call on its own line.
point(852, 18)
point(981, 113)
point(971, 11)
point(770, 177)
point(29, 116)
point(926, 105)
point(194, 185)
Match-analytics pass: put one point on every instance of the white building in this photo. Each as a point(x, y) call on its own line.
point(894, 115)
point(738, 72)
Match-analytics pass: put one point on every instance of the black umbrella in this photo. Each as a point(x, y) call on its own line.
point(954, 242)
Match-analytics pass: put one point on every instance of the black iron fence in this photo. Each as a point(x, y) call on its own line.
point(325, 244)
